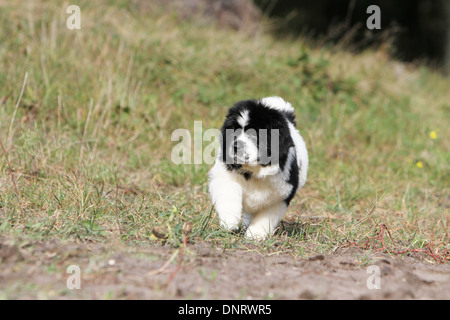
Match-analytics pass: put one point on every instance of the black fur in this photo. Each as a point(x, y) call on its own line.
point(293, 180)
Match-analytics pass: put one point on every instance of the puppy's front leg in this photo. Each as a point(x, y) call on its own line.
point(265, 222)
point(227, 198)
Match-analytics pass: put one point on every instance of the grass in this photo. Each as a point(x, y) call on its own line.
point(87, 143)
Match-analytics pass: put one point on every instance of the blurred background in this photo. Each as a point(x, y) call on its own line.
point(415, 29)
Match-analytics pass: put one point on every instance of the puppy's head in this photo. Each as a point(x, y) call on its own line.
point(256, 133)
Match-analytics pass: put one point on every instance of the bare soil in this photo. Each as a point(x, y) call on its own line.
point(38, 270)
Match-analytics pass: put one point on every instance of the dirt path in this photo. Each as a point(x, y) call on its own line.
point(39, 270)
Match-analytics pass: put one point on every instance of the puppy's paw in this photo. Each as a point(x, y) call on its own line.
point(257, 233)
point(230, 224)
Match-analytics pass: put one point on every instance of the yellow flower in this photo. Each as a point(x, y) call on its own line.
point(433, 134)
point(419, 164)
point(153, 237)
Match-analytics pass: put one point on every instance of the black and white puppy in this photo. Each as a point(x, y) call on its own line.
point(261, 164)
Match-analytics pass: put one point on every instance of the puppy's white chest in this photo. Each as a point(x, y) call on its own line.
point(260, 193)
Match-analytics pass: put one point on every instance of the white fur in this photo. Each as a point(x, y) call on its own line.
point(277, 103)
point(261, 196)
point(243, 119)
point(260, 199)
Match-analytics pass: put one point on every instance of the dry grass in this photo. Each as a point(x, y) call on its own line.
point(88, 141)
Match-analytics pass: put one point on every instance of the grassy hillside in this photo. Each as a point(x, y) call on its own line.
point(86, 118)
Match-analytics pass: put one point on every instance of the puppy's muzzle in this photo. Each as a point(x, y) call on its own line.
point(240, 153)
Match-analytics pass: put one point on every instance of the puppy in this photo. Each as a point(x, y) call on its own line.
point(261, 164)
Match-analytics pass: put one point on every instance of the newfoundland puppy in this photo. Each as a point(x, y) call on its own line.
point(261, 164)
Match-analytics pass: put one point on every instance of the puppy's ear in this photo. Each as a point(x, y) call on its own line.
point(227, 138)
point(264, 145)
point(274, 144)
point(285, 142)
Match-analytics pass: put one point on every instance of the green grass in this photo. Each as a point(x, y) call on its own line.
point(88, 143)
